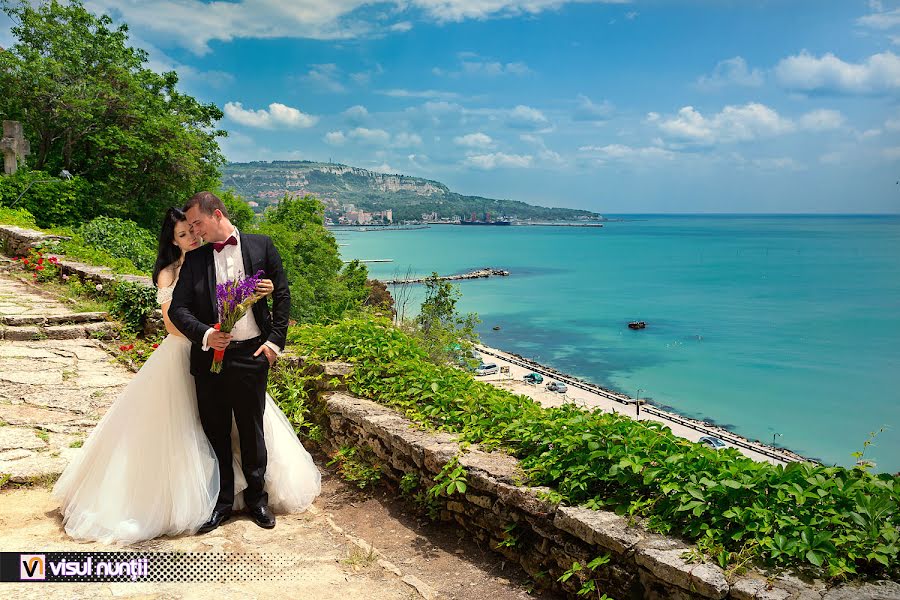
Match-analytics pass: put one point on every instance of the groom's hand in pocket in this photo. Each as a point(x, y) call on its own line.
point(270, 354)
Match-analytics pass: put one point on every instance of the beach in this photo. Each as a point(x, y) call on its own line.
point(590, 396)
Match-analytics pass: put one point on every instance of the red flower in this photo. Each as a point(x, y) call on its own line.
point(155, 346)
point(40, 260)
point(24, 261)
point(123, 348)
point(131, 346)
point(40, 267)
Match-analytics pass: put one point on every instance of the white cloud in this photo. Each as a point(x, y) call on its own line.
point(892, 153)
point(485, 68)
point(474, 140)
point(370, 136)
point(401, 27)
point(776, 164)
point(822, 120)
point(881, 20)
point(880, 73)
point(623, 153)
point(364, 77)
point(335, 138)
point(356, 114)
point(403, 93)
point(892, 124)
point(733, 124)
point(460, 10)
point(498, 160)
point(526, 117)
point(869, 134)
point(589, 111)
point(831, 158)
point(384, 168)
point(632, 15)
point(325, 76)
point(194, 24)
point(406, 140)
point(277, 116)
point(732, 71)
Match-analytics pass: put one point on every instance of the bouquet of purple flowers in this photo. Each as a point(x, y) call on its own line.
point(234, 299)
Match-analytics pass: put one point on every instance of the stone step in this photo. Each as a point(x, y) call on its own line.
point(26, 333)
point(63, 319)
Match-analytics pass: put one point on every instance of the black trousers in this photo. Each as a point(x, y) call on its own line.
point(240, 389)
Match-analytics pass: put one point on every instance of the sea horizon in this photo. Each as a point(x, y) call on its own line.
point(747, 319)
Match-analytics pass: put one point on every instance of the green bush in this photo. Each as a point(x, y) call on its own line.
point(51, 200)
point(122, 239)
point(18, 217)
point(831, 521)
point(133, 302)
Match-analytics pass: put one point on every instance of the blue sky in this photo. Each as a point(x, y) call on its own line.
point(613, 106)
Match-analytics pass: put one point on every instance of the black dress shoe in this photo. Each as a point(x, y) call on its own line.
point(262, 516)
point(219, 516)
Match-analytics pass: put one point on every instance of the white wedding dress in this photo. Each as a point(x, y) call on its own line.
point(147, 468)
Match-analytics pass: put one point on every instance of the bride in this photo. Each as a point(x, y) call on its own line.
point(147, 468)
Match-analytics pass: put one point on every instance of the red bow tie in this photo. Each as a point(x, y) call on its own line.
point(231, 241)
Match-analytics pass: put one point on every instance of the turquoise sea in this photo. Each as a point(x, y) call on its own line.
point(764, 324)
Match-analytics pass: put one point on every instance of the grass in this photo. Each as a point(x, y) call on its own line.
point(77, 444)
point(43, 435)
point(360, 558)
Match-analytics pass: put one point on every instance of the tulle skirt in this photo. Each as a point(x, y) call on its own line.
point(147, 469)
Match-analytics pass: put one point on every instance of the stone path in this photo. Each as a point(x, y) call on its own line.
point(52, 393)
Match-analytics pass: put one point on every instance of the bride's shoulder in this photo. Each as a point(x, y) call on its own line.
point(167, 277)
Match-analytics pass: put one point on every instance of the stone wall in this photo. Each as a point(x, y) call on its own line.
point(16, 241)
point(548, 538)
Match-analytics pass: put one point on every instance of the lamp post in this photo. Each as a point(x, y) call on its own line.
point(774, 435)
point(637, 405)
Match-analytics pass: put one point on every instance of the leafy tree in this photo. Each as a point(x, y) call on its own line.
point(90, 105)
point(321, 289)
point(239, 213)
point(443, 333)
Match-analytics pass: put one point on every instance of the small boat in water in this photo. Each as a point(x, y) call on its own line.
point(637, 325)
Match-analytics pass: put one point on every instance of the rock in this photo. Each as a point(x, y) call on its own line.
point(23, 334)
point(752, 588)
point(421, 587)
point(669, 566)
point(880, 590)
point(64, 332)
point(35, 466)
point(23, 414)
point(18, 438)
point(600, 527)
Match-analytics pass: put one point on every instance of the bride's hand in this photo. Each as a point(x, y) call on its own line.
point(265, 287)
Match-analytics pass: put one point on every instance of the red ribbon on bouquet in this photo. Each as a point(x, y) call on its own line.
point(218, 355)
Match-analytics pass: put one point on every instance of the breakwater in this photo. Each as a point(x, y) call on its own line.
point(477, 274)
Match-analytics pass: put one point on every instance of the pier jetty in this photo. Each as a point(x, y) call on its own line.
point(477, 274)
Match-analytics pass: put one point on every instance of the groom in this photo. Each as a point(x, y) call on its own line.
point(250, 348)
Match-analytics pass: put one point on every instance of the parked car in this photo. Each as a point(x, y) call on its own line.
point(713, 442)
point(557, 386)
point(534, 378)
point(487, 369)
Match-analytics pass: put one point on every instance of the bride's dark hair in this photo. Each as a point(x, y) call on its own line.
point(168, 252)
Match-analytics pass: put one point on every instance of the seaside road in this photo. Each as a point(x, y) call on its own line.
point(680, 426)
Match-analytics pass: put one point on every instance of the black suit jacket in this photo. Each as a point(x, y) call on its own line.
point(193, 310)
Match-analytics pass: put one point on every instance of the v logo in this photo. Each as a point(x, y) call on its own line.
point(32, 566)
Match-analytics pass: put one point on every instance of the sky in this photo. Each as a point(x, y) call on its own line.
point(616, 106)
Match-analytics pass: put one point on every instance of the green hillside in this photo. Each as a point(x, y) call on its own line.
point(409, 197)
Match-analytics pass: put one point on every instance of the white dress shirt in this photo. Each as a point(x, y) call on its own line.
point(229, 264)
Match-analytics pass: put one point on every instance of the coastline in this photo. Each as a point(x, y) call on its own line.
point(590, 395)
